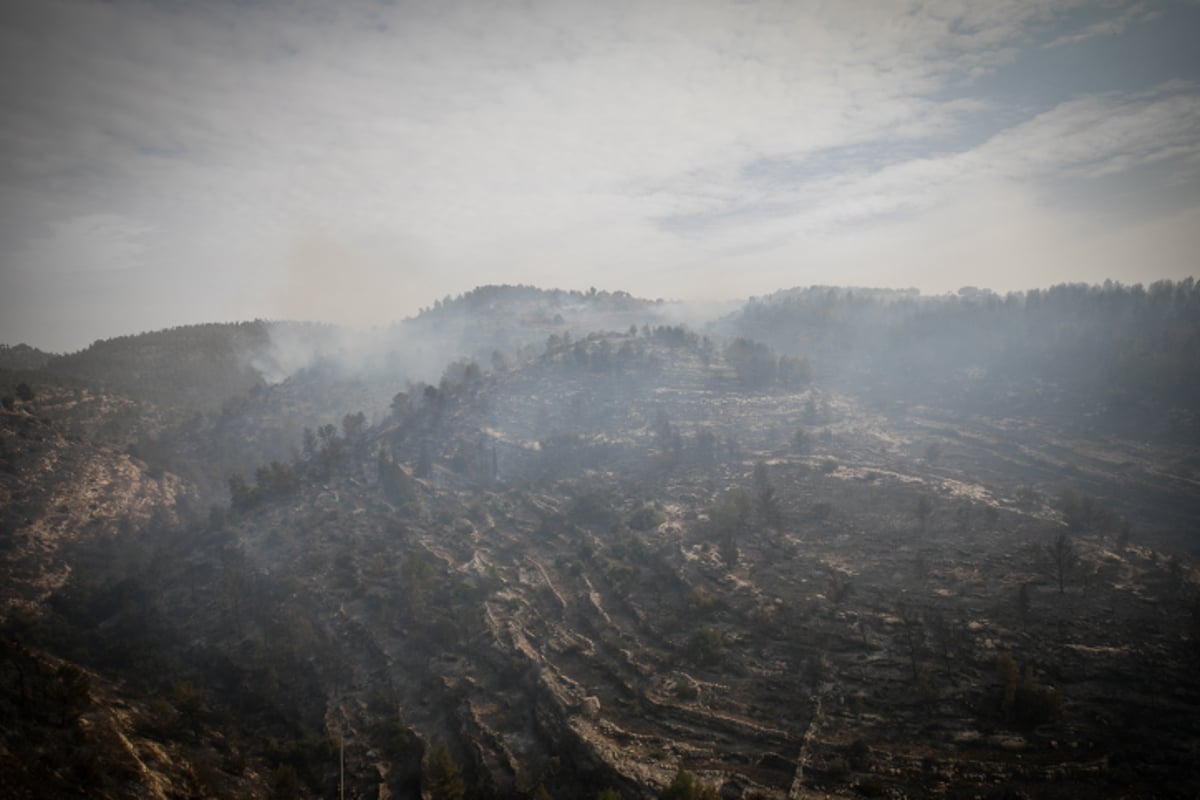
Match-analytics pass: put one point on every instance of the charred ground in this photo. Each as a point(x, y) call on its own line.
point(628, 554)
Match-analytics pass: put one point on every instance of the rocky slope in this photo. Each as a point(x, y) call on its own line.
point(622, 559)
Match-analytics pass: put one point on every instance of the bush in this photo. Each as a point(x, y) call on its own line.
point(684, 786)
point(705, 646)
point(442, 776)
point(646, 518)
point(1021, 696)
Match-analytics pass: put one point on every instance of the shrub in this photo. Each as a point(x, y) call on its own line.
point(646, 518)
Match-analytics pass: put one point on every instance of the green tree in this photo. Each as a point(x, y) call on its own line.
point(646, 518)
point(285, 783)
point(442, 776)
point(705, 646)
point(684, 786)
point(240, 493)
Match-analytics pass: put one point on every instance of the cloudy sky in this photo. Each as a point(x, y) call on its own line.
point(167, 162)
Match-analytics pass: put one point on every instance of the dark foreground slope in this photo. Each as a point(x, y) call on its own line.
point(625, 558)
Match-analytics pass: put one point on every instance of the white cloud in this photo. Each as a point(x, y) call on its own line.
point(424, 151)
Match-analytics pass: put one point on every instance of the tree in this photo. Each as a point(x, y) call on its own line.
point(1081, 511)
point(190, 702)
point(705, 647)
point(240, 493)
point(285, 783)
point(991, 515)
point(1023, 603)
point(1123, 534)
point(70, 691)
point(401, 405)
point(914, 632)
point(794, 372)
point(276, 478)
point(753, 362)
point(706, 448)
point(1021, 694)
point(1007, 672)
point(684, 786)
point(1063, 557)
point(728, 520)
point(397, 486)
point(354, 428)
point(646, 518)
point(424, 465)
point(24, 392)
point(923, 509)
point(442, 776)
point(839, 586)
point(765, 501)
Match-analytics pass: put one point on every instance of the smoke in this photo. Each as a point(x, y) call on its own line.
point(473, 327)
point(327, 281)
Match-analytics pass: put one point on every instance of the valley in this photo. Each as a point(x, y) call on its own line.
point(591, 567)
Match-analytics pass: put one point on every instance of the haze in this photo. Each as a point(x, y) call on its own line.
point(168, 163)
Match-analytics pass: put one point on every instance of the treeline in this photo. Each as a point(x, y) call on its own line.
point(508, 297)
point(193, 367)
point(1127, 353)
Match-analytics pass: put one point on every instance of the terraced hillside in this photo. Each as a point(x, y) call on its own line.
point(630, 556)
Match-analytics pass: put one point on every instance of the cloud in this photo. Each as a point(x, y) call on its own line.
point(96, 242)
point(247, 148)
point(1111, 26)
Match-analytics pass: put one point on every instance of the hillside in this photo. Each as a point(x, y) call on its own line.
point(629, 553)
point(1108, 358)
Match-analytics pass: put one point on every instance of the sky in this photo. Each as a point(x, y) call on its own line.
point(166, 163)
